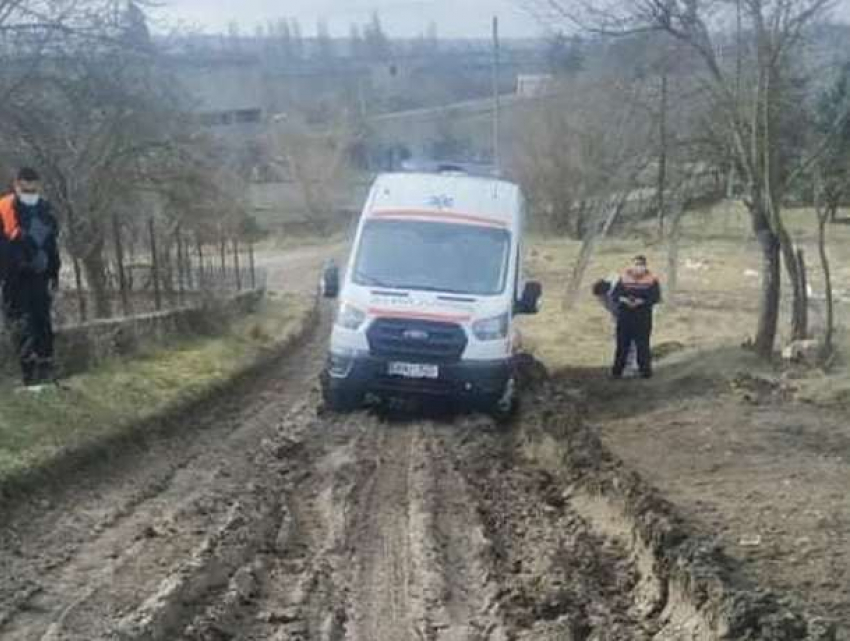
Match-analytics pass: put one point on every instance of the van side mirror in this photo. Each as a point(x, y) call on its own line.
point(330, 282)
point(529, 302)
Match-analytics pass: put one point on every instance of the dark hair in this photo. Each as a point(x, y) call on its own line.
point(640, 259)
point(601, 287)
point(28, 174)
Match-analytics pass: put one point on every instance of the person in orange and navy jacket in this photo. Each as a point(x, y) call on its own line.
point(635, 294)
point(29, 271)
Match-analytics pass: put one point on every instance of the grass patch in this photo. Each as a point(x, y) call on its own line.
point(717, 300)
point(35, 428)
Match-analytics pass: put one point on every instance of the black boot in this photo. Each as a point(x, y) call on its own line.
point(45, 373)
point(28, 370)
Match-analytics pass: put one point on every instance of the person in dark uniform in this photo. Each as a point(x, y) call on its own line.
point(602, 291)
point(635, 294)
point(29, 270)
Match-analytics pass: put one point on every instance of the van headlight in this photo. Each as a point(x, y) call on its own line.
point(350, 317)
point(491, 329)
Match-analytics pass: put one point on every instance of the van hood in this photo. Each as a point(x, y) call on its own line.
point(443, 307)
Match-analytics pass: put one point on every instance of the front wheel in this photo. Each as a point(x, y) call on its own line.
point(341, 400)
point(507, 404)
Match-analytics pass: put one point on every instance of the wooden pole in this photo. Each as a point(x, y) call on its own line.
point(157, 294)
point(497, 107)
point(236, 264)
point(223, 261)
point(199, 247)
point(178, 238)
point(252, 265)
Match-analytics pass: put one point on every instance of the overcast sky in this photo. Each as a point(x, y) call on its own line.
point(469, 18)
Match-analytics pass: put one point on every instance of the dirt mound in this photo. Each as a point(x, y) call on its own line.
point(689, 583)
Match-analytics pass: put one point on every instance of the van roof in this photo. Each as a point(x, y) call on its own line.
point(447, 197)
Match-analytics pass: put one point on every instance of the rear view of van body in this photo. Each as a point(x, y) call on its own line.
point(429, 297)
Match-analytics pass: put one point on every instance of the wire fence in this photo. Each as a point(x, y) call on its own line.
point(174, 269)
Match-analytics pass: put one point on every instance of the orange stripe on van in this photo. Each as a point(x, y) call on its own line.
point(394, 313)
point(441, 215)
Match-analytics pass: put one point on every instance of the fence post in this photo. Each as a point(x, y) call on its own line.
point(223, 262)
point(187, 256)
point(157, 295)
point(236, 264)
point(199, 247)
point(81, 294)
point(252, 265)
point(178, 238)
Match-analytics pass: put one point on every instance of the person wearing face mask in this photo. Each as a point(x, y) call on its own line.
point(635, 294)
point(29, 270)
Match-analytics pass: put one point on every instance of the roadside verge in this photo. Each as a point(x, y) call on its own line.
point(98, 415)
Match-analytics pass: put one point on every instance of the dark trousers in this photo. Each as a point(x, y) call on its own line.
point(26, 306)
point(634, 329)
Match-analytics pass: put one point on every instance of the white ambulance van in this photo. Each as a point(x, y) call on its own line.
point(430, 294)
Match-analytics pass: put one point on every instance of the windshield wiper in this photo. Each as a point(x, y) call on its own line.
point(366, 279)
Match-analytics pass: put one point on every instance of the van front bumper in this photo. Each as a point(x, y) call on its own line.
point(485, 380)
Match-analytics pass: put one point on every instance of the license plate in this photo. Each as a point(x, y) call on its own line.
point(413, 370)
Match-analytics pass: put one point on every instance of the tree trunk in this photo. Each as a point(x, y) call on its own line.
point(600, 224)
point(771, 278)
point(94, 267)
point(673, 238)
point(803, 300)
point(799, 307)
point(661, 186)
point(119, 259)
point(827, 285)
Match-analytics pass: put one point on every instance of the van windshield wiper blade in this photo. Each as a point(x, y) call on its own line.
point(366, 279)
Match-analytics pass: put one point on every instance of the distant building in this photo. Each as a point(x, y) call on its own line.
point(226, 92)
point(533, 85)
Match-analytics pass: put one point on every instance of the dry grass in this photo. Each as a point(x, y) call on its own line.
point(716, 304)
point(36, 427)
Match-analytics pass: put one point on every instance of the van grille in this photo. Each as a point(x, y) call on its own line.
point(416, 341)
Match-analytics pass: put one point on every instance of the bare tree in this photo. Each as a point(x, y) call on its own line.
point(752, 100)
point(580, 156)
point(831, 181)
point(98, 114)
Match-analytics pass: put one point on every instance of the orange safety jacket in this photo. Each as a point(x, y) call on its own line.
point(646, 281)
point(9, 224)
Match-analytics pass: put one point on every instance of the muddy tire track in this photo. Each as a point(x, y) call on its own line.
point(273, 520)
point(83, 558)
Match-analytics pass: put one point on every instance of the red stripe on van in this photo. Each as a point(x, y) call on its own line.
point(433, 214)
point(394, 313)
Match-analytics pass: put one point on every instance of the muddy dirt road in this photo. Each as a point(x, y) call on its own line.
point(262, 519)
point(259, 517)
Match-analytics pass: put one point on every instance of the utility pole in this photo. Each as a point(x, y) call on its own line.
point(496, 102)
